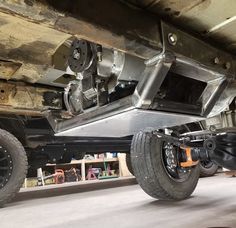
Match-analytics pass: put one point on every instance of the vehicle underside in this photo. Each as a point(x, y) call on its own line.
point(154, 79)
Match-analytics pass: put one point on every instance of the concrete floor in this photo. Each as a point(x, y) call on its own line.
point(213, 204)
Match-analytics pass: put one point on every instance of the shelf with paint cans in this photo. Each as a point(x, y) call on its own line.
point(96, 167)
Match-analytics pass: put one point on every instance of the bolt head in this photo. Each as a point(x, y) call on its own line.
point(172, 39)
point(217, 60)
point(227, 65)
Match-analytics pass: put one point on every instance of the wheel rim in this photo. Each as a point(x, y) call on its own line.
point(6, 166)
point(171, 163)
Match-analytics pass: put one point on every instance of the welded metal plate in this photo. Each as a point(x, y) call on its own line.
point(128, 123)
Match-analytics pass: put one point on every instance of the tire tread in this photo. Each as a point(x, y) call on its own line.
point(7, 194)
point(143, 161)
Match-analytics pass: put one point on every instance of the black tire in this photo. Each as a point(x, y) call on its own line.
point(208, 169)
point(128, 163)
point(151, 174)
point(18, 166)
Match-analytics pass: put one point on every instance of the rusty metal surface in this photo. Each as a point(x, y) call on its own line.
point(107, 22)
point(114, 24)
point(32, 31)
point(168, 7)
point(214, 19)
point(28, 46)
point(24, 98)
point(7, 68)
point(48, 23)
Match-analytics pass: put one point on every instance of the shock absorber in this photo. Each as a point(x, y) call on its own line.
point(220, 149)
point(190, 156)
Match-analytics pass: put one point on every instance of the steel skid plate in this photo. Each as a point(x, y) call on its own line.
point(127, 123)
point(127, 116)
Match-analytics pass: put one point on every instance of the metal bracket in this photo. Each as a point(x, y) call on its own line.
point(187, 46)
point(200, 61)
point(130, 115)
point(153, 76)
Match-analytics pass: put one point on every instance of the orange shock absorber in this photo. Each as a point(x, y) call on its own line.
point(188, 161)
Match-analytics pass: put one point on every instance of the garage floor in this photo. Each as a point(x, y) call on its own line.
point(212, 205)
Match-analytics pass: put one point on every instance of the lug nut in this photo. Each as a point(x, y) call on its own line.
point(76, 54)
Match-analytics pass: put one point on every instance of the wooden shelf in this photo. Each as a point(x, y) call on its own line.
point(100, 160)
point(83, 162)
point(123, 170)
point(76, 162)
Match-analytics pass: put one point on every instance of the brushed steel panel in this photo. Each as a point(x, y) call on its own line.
point(128, 123)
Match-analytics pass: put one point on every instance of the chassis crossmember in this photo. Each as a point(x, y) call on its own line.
point(145, 108)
